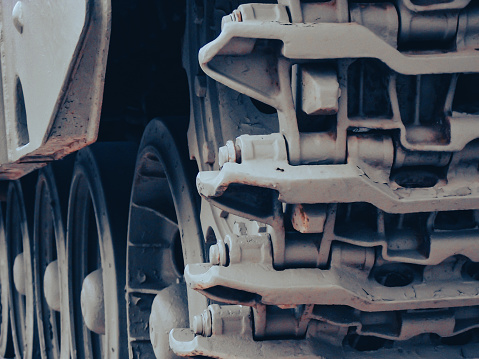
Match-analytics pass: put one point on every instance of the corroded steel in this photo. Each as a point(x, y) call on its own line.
point(374, 165)
point(336, 148)
point(53, 67)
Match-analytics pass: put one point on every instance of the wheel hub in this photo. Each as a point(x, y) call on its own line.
point(92, 302)
point(51, 283)
point(19, 274)
point(169, 311)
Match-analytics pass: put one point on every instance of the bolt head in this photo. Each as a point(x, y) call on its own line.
point(227, 153)
point(218, 255)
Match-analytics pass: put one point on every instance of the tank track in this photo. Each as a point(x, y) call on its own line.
point(351, 230)
point(334, 146)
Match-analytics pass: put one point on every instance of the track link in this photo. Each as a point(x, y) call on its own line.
point(351, 228)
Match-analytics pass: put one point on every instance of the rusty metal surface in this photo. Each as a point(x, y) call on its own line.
point(373, 175)
point(37, 60)
point(52, 79)
point(15, 171)
point(347, 223)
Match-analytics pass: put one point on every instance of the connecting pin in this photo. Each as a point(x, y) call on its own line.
point(223, 320)
point(229, 153)
point(203, 324)
point(219, 253)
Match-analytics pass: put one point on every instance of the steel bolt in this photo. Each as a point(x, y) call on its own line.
point(198, 324)
point(19, 274)
point(202, 324)
point(228, 153)
point(218, 255)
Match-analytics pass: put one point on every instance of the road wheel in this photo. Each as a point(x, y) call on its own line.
point(96, 249)
point(164, 235)
point(49, 239)
point(19, 261)
point(6, 344)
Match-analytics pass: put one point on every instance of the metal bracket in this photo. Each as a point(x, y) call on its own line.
point(319, 41)
point(337, 183)
point(238, 59)
point(444, 322)
point(184, 343)
point(248, 284)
